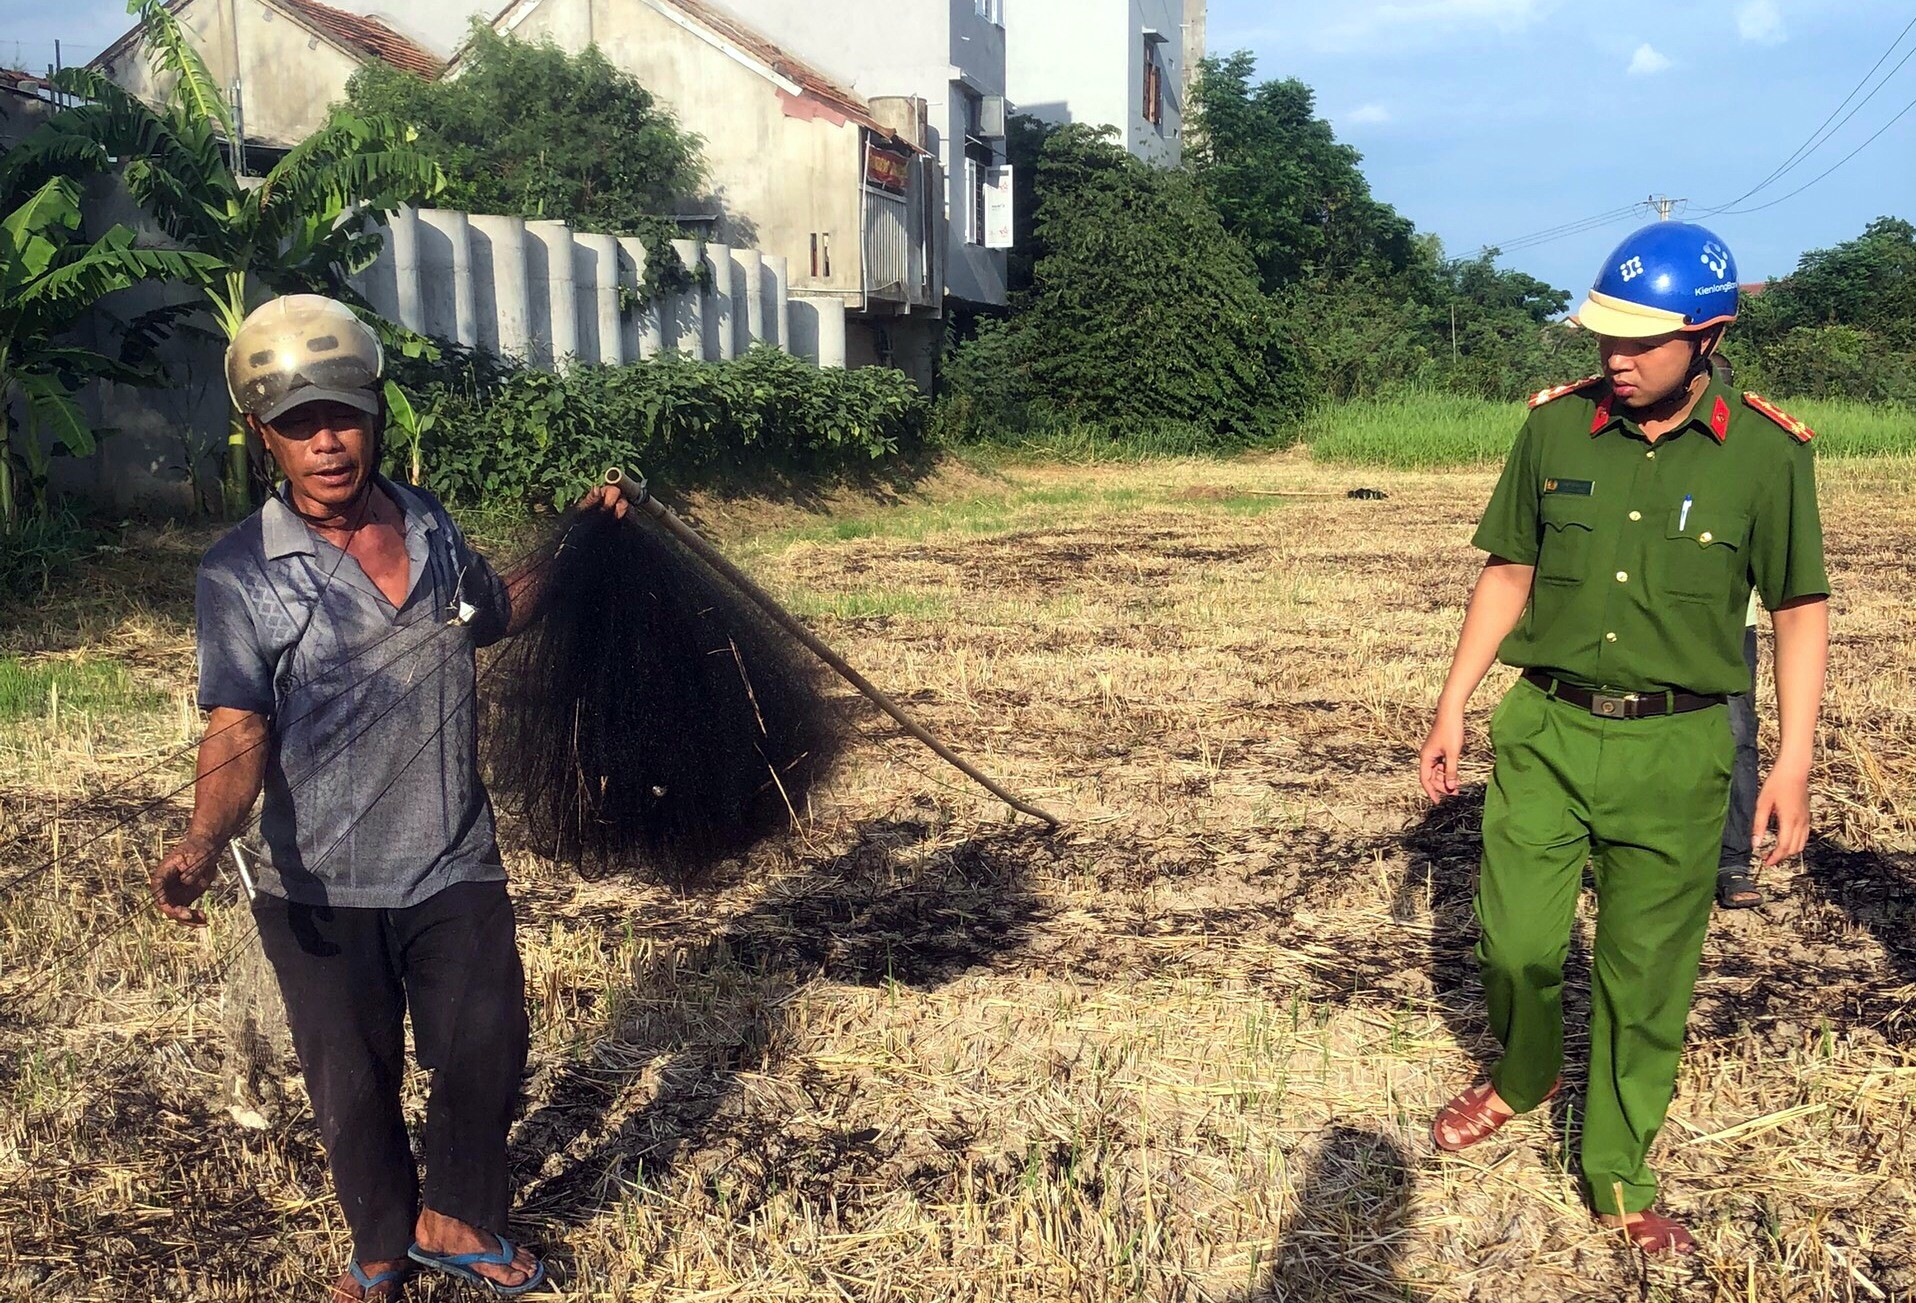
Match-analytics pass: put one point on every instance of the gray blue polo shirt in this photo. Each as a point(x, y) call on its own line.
point(373, 798)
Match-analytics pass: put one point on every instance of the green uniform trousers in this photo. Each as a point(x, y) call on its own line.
point(1643, 801)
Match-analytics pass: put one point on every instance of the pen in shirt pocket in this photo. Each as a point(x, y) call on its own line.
point(1683, 517)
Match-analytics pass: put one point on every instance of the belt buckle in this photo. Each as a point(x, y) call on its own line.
point(1613, 705)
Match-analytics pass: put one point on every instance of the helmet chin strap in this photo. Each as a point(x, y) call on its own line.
point(1704, 345)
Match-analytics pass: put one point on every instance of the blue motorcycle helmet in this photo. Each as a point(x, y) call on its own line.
point(1665, 278)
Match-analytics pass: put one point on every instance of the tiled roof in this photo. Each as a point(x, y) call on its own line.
point(814, 86)
point(367, 36)
point(815, 83)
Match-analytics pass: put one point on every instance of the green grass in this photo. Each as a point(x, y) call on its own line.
point(982, 514)
point(1413, 431)
point(99, 687)
point(1851, 429)
point(870, 604)
point(1077, 442)
point(1424, 431)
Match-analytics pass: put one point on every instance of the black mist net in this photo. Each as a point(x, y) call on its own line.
point(650, 718)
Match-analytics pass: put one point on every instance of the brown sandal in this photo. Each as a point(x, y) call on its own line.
point(1470, 1118)
point(1656, 1234)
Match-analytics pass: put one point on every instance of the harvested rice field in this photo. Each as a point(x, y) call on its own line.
point(1185, 1049)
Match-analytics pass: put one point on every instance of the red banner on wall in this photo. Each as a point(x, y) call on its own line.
point(888, 170)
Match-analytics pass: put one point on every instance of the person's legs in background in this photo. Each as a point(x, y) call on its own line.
point(1735, 884)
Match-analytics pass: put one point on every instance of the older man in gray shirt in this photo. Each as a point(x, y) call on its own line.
point(337, 627)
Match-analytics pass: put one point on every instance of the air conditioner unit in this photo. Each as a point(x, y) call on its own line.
point(991, 117)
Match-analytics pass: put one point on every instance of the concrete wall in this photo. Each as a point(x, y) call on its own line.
point(781, 178)
point(1196, 46)
point(927, 49)
point(550, 296)
point(537, 291)
point(1083, 61)
point(21, 113)
point(289, 75)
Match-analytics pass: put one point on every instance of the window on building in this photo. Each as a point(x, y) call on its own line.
point(1153, 105)
point(992, 11)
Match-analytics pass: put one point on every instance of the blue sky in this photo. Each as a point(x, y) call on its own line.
point(1483, 120)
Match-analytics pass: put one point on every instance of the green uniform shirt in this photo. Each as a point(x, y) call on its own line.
point(1635, 591)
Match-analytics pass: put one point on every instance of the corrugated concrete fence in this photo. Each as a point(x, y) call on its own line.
point(542, 292)
point(537, 291)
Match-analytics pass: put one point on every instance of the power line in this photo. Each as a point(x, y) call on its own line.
point(1819, 137)
point(1559, 231)
point(1757, 208)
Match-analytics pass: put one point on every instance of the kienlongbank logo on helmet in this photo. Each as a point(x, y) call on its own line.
point(1716, 258)
point(1715, 289)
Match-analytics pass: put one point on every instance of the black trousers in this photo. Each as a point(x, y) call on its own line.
point(348, 977)
point(1743, 781)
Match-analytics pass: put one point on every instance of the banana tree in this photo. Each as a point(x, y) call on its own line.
point(50, 275)
point(306, 225)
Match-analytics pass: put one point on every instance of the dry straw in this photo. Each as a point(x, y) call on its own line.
point(1186, 1051)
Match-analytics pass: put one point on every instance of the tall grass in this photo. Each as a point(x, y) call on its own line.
point(29, 688)
point(1428, 430)
point(1081, 442)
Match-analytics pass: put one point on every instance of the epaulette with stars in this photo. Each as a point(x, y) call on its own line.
point(1797, 430)
point(1543, 396)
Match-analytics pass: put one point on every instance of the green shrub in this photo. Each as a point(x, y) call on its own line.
point(1829, 361)
point(537, 437)
point(1144, 311)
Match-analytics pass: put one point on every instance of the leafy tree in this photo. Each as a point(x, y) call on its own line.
point(50, 274)
point(1282, 182)
point(1843, 324)
point(1143, 310)
point(307, 225)
point(1368, 302)
point(1868, 283)
point(531, 131)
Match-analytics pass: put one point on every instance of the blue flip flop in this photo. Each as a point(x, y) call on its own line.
point(461, 1265)
point(367, 1284)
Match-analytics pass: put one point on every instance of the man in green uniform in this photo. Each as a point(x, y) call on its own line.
point(1637, 511)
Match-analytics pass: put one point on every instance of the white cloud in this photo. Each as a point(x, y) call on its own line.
point(1647, 61)
point(1760, 21)
point(1365, 114)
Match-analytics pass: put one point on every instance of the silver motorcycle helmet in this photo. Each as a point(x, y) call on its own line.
point(303, 348)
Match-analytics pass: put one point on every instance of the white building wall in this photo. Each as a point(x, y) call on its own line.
point(289, 75)
point(922, 48)
point(1083, 61)
point(780, 179)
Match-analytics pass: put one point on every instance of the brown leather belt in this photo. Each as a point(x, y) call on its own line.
point(1622, 705)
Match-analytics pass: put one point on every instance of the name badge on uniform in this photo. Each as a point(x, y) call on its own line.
point(1570, 488)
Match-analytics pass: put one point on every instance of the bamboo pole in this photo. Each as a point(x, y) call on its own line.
point(635, 491)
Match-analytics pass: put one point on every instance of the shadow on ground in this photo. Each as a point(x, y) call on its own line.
point(896, 907)
point(1345, 1238)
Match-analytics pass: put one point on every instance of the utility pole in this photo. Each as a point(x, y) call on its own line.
point(1664, 205)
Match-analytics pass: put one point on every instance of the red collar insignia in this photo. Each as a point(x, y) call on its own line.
point(1720, 420)
point(1602, 415)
